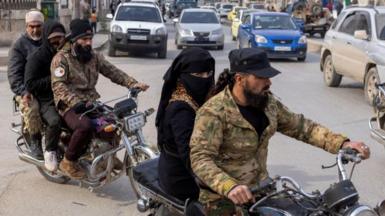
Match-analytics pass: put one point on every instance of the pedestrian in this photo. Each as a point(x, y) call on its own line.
point(94, 20)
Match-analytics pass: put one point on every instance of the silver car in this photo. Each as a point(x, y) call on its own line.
point(199, 27)
point(355, 47)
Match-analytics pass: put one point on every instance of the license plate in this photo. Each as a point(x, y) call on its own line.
point(318, 29)
point(138, 37)
point(201, 39)
point(282, 48)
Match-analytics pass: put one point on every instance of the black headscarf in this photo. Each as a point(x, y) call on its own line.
point(190, 60)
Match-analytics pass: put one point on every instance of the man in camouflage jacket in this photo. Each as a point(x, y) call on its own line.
point(232, 130)
point(74, 74)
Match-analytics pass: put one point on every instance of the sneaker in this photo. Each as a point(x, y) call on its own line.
point(50, 160)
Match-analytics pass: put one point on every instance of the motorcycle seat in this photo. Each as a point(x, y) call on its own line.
point(146, 173)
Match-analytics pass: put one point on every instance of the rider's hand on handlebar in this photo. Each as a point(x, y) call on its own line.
point(360, 147)
point(141, 86)
point(240, 194)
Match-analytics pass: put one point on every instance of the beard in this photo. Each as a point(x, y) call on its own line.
point(34, 36)
point(256, 100)
point(83, 54)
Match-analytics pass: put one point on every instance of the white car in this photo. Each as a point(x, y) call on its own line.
point(138, 27)
point(223, 9)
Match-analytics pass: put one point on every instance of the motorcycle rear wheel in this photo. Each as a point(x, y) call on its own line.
point(140, 155)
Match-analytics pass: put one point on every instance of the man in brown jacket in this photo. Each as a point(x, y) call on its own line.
point(74, 72)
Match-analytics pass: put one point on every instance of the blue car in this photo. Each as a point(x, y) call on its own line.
point(274, 32)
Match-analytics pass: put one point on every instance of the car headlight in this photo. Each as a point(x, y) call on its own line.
point(260, 39)
point(134, 122)
point(302, 40)
point(161, 31)
point(187, 32)
point(117, 29)
point(217, 32)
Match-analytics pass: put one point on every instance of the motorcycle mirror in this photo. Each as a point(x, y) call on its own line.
point(380, 208)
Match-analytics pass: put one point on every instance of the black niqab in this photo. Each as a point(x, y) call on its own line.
point(190, 60)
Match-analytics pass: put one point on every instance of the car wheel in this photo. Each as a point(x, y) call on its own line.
point(322, 34)
point(111, 51)
point(331, 78)
point(179, 47)
point(371, 79)
point(234, 38)
point(302, 59)
point(163, 52)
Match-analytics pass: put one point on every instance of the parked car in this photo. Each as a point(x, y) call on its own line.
point(275, 33)
point(138, 26)
point(233, 13)
point(258, 6)
point(355, 47)
point(199, 27)
point(223, 9)
point(239, 20)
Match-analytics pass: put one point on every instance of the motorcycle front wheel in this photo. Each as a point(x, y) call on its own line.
point(140, 154)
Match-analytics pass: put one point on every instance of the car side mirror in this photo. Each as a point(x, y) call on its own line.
point(175, 20)
point(361, 35)
point(109, 16)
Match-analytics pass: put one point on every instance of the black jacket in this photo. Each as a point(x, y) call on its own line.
point(175, 173)
point(18, 54)
point(38, 68)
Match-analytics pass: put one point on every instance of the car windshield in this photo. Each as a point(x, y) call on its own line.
point(380, 25)
point(138, 13)
point(199, 17)
point(228, 7)
point(258, 6)
point(273, 22)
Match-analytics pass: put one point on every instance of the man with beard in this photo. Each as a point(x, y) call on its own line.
point(26, 44)
point(38, 82)
point(74, 74)
point(232, 131)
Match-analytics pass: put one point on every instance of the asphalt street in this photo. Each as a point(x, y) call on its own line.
point(23, 191)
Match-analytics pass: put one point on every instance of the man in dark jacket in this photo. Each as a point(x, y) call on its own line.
point(38, 82)
point(24, 46)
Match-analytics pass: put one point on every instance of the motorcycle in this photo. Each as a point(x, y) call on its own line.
point(278, 196)
point(119, 130)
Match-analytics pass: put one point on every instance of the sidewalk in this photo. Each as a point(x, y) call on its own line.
point(99, 42)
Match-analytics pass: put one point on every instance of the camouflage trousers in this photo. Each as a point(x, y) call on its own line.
point(31, 116)
point(224, 207)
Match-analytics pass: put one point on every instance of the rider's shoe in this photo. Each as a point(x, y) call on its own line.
point(50, 160)
point(71, 169)
point(35, 149)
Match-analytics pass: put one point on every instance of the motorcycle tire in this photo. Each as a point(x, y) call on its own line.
point(53, 177)
point(140, 155)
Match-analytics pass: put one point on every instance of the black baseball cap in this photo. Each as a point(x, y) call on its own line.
point(251, 61)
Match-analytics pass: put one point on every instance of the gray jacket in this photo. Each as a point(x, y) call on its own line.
point(18, 54)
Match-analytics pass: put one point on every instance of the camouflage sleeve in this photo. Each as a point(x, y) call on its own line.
point(205, 143)
point(308, 131)
point(59, 78)
point(113, 73)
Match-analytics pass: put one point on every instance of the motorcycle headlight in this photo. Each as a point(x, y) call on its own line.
point(217, 32)
point(260, 39)
point(134, 122)
point(361, 210)
point(187, 32)
point(161, 31)
point(302, 40)
point(117, 29)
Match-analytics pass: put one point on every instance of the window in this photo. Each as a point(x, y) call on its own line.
point(380, 26)
point(247, 19)
point(138, 13)
point(348, 26)
point(363, 22)
point(338, 20)
point(199, 17)
point(273, 22)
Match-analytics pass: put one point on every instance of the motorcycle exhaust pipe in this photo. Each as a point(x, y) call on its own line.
point(29, 159)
